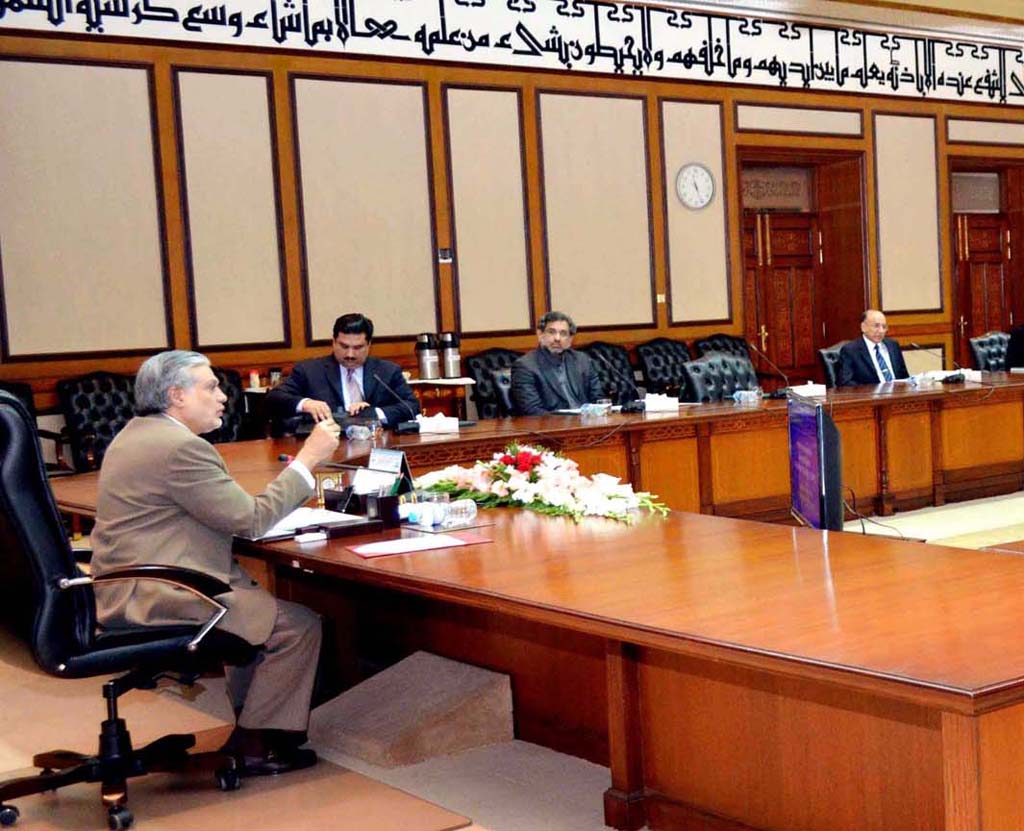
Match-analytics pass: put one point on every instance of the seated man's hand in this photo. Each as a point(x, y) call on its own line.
point(321, 444)
point(358, 407)
point(320, 410)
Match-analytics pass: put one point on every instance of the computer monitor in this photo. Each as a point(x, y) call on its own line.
point(815, 465)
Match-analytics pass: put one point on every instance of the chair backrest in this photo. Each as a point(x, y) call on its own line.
point(720, 342)
point(615, 382)
point(502, 380)
point(717, 376)
point(480, 367)
point(829, 358)
point(95, 407)
point(661, 363)
point(234, 408)
point(988, 351)
point(34, 551)
point(23, 392)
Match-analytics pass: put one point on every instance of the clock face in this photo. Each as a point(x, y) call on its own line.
point(695, 186)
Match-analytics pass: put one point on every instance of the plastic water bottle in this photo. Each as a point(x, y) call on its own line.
point(460, 512)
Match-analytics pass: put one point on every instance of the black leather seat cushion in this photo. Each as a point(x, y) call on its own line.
point(716, 377)
point(480, 368)
point(661, 363)
point(829, 358)
point(95, 408)
point(989, 351)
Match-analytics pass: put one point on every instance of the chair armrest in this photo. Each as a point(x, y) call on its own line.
point(187, 578)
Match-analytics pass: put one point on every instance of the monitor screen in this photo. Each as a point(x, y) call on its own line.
point(815, 465)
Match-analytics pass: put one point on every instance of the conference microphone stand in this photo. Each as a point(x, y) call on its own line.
point(957, 377)
point(403, 427)
point(634, 406)
point(779, 393)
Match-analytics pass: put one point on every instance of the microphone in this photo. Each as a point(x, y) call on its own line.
point(779, 393)
point(956, 377)
point(634, 406)
point(403, 427)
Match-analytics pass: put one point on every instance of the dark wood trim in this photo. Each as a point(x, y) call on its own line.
point(938, 210)
point(624, 801)
point(190, 287)
point(642, 99)
point(664, 812)
point(736, 104)
point(518, 91)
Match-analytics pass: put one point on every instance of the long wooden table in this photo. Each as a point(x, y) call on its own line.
point(903, 447)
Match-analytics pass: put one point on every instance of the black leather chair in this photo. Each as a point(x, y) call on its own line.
point(502, 380)
point(23, 392)
point(719, 342)
point(613, 368)
point(234, 408)
point(661, 364)
point(480, 367)
point(988, 351)
point(52, 602)
point(717, 376)
point(829, 359)
point(95, 407)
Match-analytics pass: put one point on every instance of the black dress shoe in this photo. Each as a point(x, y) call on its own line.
point(277, 761)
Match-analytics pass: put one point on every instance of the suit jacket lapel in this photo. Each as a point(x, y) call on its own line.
point(332, 377)
point(369, 382)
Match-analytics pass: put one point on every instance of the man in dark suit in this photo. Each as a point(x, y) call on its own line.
point(347, 379)
point(872, 358)
point(165, 498)
point(554, 376)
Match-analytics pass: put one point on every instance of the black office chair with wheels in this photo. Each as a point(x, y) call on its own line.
point(234, 408)
point(52, 602)
point(95, 407)
point(829, 359)
point(661, 364)
point(613, 368)
point(989, 351)
point(480, 368)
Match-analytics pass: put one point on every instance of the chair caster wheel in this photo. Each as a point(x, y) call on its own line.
point(229, 779)
point(119, 818)
point(8, 815)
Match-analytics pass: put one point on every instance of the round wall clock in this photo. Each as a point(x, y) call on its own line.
point(695, 186)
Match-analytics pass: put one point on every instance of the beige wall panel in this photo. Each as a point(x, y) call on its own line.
point(798, 120)
point(366, 204)
point(490, 218)
point(985, 132)
point(232, 214)
point(596, 208)
point(908, 233)
point(918, 360)
point(79, 232)
point(698, 268)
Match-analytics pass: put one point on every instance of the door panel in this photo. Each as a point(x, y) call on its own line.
point(984, 301)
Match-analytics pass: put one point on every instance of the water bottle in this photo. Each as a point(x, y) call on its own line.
point(460, 512)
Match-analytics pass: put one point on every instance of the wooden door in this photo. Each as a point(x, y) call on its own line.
point(983, 290)
point(780, 304)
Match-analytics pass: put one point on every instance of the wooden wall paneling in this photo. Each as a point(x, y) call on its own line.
point(860, 441)
point(624, 806)
point(658, 195)
point(235, 258)
point(962, 787)
point(82, 227)
point(982, 436)
point(539, 295)
point(1000, 747)
point(439, 170)
point(908, 438)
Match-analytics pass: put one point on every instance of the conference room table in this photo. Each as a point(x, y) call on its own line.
point(732, 674)
point(903, 447)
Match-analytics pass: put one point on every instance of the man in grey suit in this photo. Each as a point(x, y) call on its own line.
point(554, 376)
point(165, 498)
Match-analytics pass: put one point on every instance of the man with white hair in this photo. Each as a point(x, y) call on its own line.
point(166, 498)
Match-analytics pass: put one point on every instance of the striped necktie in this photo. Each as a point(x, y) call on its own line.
point(355, 395)
point(882, 365)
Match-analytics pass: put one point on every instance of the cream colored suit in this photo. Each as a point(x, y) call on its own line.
point(165, 498)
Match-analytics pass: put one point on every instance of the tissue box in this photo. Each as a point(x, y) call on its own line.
point(810, 390)
point(654, 403)
point(438, 424)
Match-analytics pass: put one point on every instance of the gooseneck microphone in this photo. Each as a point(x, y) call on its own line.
point(403, 427)
point(779, 393)
point(634, 406)
point(957, 377)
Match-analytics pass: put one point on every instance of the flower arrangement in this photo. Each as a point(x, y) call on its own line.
point(543, 481)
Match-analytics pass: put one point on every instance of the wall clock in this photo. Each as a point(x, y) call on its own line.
point(695, 186)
